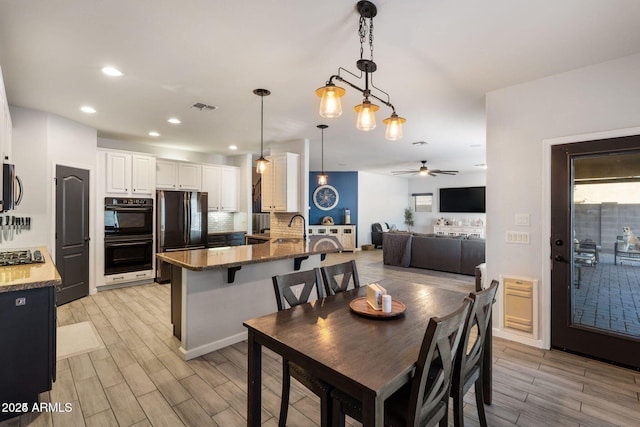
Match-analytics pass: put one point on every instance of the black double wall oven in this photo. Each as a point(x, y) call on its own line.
point(128, 241)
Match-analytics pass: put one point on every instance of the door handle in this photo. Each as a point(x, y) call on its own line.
point(560, 258)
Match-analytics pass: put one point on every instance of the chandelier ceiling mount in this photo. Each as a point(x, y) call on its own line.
point(330, 94)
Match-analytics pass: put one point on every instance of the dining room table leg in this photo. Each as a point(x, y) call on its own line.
point(254, 381)
point(372, 411)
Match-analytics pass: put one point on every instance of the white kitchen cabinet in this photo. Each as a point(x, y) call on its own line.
point(189, 176)
point(166, 175)
point(143, 172)
point(182, 176)
point(280, 183)
point(133, 276)
point(5, 126)
point(129, 174)
point(118, 173)
point(229, 188)
point(211, 185)
point(222, 184)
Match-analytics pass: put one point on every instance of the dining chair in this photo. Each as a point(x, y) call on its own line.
point(424, 401)
point(282, 285)
point(331, 273)
point(468, 364)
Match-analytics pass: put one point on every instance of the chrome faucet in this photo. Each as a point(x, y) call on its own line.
point(304, 225)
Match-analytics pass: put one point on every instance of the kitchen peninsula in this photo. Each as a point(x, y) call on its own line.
point(27, 328)
point(214, 290)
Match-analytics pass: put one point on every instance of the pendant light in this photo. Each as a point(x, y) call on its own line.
point(330, 94)
point(322, 178)
point(261, 163)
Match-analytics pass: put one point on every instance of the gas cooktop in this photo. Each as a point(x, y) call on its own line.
point(20, 257)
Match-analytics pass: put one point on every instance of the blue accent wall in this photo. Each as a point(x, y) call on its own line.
point(346, 183)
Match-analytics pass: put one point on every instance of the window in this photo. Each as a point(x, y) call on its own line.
point(422, 201)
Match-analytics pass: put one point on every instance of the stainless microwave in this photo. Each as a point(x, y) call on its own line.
point(11, 188)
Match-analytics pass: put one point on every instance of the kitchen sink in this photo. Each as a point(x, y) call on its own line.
point(287, 240)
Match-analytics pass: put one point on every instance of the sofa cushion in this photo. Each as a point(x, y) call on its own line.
point(436, 253)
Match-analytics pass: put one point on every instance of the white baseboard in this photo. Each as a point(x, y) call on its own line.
point(213, 346)
point(518, 338)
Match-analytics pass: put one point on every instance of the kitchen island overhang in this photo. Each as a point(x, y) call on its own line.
point(214, 290)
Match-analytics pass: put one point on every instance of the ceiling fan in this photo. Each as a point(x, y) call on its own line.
point(424, 171)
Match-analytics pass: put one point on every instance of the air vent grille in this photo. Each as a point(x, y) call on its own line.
point(203, 107)
point(420, 143)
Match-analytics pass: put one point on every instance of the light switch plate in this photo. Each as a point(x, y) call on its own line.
point(523, 219)
point(519, 237)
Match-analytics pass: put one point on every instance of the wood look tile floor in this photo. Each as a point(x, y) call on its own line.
point(138, 379)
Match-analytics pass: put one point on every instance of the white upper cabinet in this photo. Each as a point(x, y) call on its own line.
point(181, 176)
point(189, 176)
point(5, 126)
point(166, 175)
point(130, 174)
point(229, 188)
point(118, 173)
point(143, 173)
point(280, 183)
point(222, 184)
point(211, 185)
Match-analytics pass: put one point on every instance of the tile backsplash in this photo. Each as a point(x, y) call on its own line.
point(280, 225)
point(220, 221)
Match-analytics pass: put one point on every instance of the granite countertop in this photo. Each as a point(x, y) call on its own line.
point(260, 236)
point(216, 233)
point(30, 276)
point(234, 256)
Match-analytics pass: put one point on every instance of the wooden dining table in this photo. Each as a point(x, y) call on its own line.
point(367, 358)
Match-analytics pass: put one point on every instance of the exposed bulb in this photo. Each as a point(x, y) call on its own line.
point(261, 165)
point(330, 105)
point(366, 115)
point(394, 127)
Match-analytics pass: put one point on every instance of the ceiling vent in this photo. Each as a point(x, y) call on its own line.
point(203, 107)
point(420, 143)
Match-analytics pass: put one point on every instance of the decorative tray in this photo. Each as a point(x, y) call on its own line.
point(362, 307)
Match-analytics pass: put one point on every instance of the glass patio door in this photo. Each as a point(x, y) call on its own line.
point(595, 216)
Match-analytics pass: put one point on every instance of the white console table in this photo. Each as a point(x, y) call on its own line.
point(455, 230)
point(346, 234)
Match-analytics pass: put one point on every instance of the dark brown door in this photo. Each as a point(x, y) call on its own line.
point(595, 280)
point(72, 233)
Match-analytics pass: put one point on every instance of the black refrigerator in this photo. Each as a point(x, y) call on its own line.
point(181, 224)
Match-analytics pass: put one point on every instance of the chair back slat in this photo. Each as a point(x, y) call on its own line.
point(469, 360)
point(349, 275)
point(432, 378)
point(283, 284)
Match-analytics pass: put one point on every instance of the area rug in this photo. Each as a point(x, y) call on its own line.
point(76, 339)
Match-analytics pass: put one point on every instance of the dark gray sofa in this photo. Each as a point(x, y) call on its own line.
point(472, 254)
point(452, 254)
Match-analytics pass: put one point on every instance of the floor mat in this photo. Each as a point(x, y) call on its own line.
point(76, 339)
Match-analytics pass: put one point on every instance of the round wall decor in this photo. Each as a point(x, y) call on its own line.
point(326, 197)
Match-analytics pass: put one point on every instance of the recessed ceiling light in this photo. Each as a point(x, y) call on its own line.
point(233, 147)
point(87, 109)
point(154, 133)
point(112, 71)
point(174, 120)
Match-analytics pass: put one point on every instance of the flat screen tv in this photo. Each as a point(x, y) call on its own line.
point(462, 199)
